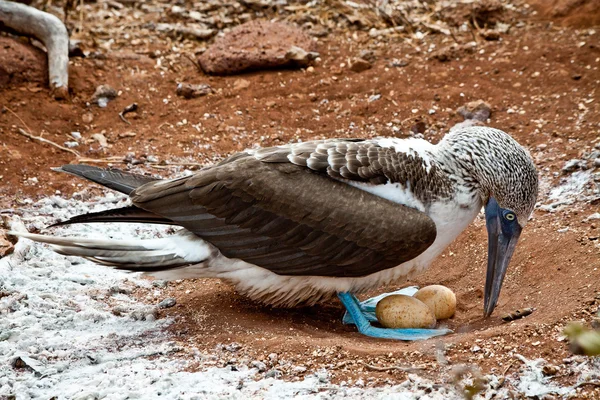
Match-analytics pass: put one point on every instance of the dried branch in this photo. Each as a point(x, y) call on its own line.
point(50, 31)
point(50, 142)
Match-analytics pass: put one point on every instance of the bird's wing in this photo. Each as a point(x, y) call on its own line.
point(290, 219)
point(364, 161)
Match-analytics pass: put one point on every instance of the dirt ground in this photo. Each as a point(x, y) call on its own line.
point(541, 79)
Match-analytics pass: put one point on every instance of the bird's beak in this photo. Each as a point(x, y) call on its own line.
point(502, 240)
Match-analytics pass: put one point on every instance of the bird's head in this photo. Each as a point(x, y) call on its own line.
point(503, 174)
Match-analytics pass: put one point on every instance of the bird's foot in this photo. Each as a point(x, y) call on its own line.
point(362, 314)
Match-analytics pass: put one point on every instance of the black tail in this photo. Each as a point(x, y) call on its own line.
point(124, 182)
point(124, 214)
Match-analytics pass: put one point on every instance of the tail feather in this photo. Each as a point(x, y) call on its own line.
point(124, 214)
point(124, 182)
point(137, 255)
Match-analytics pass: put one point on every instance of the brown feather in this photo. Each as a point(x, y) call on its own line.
point(275, 215)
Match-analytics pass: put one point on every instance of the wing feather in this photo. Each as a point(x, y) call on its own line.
point(289, 218)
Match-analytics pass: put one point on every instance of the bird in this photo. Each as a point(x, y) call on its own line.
point(300, 223)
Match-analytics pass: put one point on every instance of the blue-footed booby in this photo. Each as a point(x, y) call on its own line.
point(299, 223)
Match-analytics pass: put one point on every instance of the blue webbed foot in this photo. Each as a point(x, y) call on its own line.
point(362, 314)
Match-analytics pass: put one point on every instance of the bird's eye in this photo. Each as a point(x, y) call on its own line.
point(509, 216)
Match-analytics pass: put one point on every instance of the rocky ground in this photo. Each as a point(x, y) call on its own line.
point(400, 69)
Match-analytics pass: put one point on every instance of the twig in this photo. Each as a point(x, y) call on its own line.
point(593, 383)
point(392, 367)
point(503, 378)
point(454, 36)
point(19, 118)
point(196, 64)
point(130, 108)
point(41, 139)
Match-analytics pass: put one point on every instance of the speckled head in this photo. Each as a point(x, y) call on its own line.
point(495, 165)
point(497, 168)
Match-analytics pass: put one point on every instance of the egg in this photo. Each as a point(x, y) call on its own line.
point(400, 311)
point(440, 299)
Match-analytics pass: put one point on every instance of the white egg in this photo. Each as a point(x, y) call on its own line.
point(400, 311)
point(440, 299)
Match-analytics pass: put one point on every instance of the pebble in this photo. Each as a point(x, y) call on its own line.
point(359, 65)
point(301, 57)
point(240, 84)
point(70, 145)
point(160, 284)
point(368, 55)
point(477, 110)
point(76, 135)
point(398, 63)
point(87, 118)
point(489, 34)
point(374, 97)
point(101, 139)
point(190, 91)
point(261, 366)
point(167, 303)
point(573, 165)
point(103, 94)
point(232, 347)
point(273, 373)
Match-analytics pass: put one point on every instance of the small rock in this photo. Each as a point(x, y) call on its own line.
point(597, 162)
point(261, 366)
point(453, 51)
point(489, 34)
point(240, 84)
point(273, 357)
point(101, 139)
point(374, 97)
point(76, 135)
point(549, 370)
point(475, 349)
point(190, 91)
point(323, 377)
point(126, 134)
point(477, 110)
point(152, 159)
point(273, 373)
point(576, 77)
point(70, 145)
point(167, 303)
point(103, 94)
point(233, 347)
point(27, 362)
point(398, 63)
point(359, 65)
point(144, 314)
point(300, 56)
point(87, 118)
point(368, 55)
point(573, 165)
point(6, 246)
point(159, 284)
point(255, 45)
